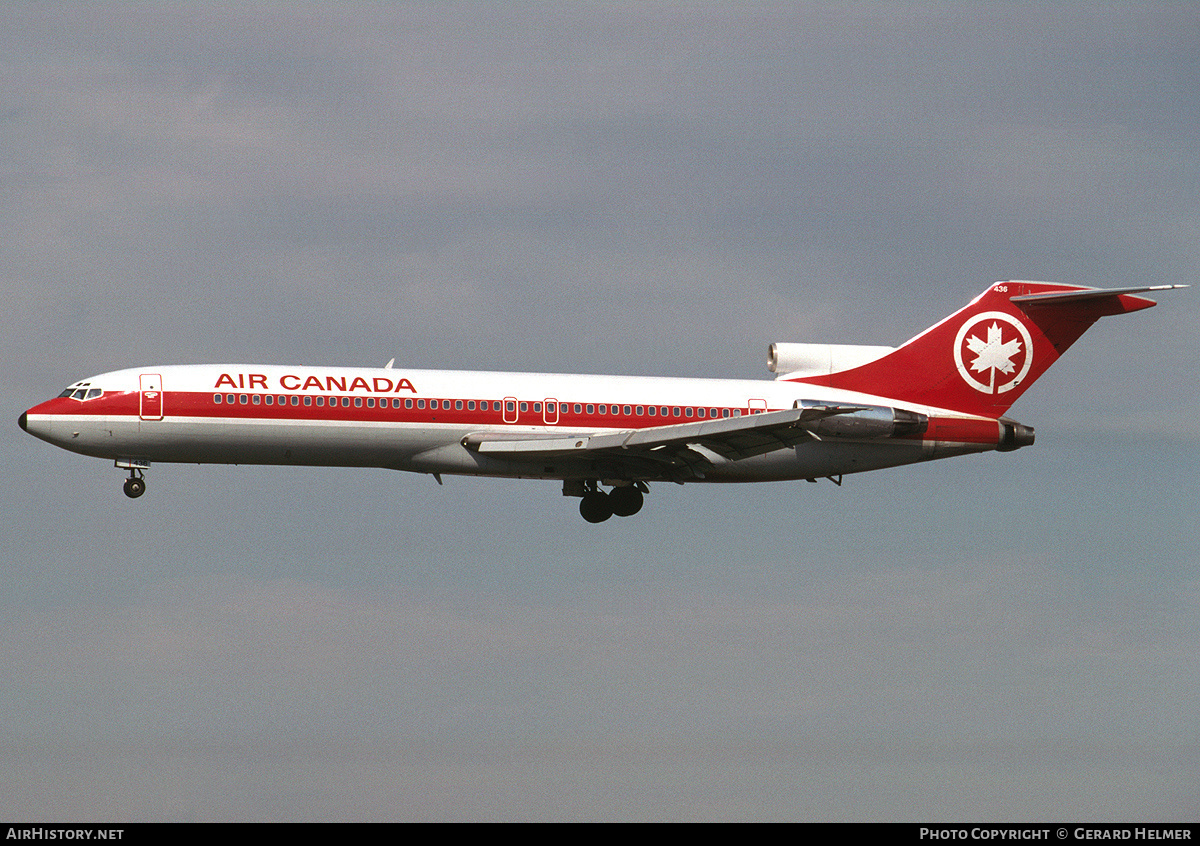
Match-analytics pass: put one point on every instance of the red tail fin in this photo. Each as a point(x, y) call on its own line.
point(980, 359)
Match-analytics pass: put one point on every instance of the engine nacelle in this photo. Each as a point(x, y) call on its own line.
point(799, 360)
point(874, 421)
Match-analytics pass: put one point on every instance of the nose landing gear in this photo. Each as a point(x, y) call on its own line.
point(135, 485)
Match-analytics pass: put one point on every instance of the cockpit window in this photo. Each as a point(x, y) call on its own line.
point(82, 391)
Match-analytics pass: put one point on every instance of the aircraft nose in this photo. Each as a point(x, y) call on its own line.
point(21, 422)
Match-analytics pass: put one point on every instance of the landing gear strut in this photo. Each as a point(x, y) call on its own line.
point(135, 485)
point(623, 501)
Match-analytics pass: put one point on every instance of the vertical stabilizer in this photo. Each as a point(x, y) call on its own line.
point(982, 358)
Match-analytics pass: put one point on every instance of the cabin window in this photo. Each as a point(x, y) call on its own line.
point(346, 402)
point(217, 398)
point(408, 403)
point(242, 399)
point(628, 410)
point(640, 411)
point(675, 411)
point(358, 402)
point(320, 401)
point(603, 409)
point(653, 411)
point(687, 412)
point(537, 407)
point(524, 406)
point(270, 400)
point(256, 399)
point(296, 400)
point(591, 409)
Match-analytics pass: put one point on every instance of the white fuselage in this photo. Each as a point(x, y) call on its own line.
point(418, 420)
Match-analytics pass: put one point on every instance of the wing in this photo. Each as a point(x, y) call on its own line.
point(679, 452)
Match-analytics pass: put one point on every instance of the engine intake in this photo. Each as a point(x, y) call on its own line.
point(800, 360)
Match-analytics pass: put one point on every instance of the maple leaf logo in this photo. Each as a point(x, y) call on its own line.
point(993, 354)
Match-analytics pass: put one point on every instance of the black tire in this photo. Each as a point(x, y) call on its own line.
point(134, 488)
point(595, 507)
point(626, 501)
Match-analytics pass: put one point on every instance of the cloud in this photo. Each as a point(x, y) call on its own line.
point(885, 679)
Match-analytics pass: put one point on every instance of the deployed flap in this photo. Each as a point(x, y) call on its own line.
point(731, 438)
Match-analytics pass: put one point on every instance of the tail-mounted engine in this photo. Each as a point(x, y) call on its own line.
point(866, 422)
point(808, 360)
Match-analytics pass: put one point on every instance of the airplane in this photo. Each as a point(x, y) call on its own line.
point(831, 410)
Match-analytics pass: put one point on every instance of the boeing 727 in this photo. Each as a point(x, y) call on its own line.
point(831, 410)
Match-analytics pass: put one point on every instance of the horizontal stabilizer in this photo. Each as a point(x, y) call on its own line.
point(1087, 294)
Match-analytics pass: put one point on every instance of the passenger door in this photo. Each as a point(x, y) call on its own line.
point(150, 405)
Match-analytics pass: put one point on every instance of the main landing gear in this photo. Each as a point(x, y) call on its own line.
point(623, 501)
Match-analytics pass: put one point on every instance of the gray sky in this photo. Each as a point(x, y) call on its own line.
point(602, 187)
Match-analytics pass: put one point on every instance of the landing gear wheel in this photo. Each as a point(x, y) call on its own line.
point(625, 501)
point(134, 487)
point(595, 507)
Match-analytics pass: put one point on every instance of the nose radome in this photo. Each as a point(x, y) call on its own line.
point(21, 422)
